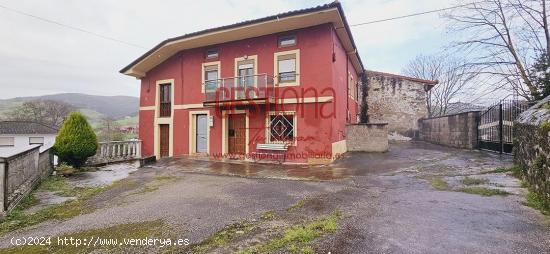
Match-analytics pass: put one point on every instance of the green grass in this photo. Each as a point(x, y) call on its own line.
point(474, 181)
point(535, 201)
point(297, 238)
point(19, 219)
point(297, 206)
point(483, 191)
point(224, 236)
point(515, 170)
point(439, 184)
point(117, 233)
point(269, 215)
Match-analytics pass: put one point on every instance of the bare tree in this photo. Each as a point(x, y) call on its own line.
point(453, 76)
point(504, 38)
point(109, 130)
point(48, 112)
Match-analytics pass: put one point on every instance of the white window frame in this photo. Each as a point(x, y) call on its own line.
point(296, 53)
point(203, 72)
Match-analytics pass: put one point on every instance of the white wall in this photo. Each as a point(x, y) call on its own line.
point(22, 141)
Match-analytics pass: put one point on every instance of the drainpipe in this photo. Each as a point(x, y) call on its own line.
point(347, 89)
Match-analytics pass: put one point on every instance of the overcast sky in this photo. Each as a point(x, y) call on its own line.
point(39, 58)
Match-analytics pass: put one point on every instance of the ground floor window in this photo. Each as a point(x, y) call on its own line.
point(281, 127)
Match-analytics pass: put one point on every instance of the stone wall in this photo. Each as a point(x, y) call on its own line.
point(459, 130)
point(21, 173)
point(532, 147)
point(397, 100)
point(367, 137)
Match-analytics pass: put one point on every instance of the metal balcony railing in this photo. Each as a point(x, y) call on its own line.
point(241, 88)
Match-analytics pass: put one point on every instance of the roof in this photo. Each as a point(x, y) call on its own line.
point(418, 80)
point(322, 14)
point(24, 127)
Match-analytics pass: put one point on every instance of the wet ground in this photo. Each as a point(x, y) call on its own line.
point(387, 200)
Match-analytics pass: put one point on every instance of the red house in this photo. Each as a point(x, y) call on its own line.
point(280, 85)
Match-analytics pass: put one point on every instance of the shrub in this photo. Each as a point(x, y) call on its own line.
point(76, 141)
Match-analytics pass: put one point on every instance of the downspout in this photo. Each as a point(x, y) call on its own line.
point(347, 88)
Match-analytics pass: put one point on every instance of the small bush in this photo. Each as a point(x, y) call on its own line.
point(76, 141)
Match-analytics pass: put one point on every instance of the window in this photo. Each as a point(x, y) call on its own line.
point(7, 141)
point(211, 53)
point(165, 100)
point(281, 127)
point(285, 41)
point(36, 140)
point(211, 77)
point(287, 68)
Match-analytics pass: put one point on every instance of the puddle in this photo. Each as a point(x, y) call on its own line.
point(103, 176)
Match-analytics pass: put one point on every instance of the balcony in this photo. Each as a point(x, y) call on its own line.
point(239, 90)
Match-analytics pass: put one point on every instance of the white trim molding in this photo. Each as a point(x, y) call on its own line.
point(163, 120)
point(193, 131)
point(276, 55)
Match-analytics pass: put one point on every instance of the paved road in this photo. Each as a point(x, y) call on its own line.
point(388, 202)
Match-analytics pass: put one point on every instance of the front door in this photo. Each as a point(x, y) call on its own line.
point(164, 140)
point(202, 134)
point(237, 134)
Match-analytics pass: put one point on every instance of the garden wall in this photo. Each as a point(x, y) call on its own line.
point(367, 137)
point(458, 130)
point(19, 173)
point(532, 147)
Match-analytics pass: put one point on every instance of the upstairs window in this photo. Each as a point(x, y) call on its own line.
point(165, 100)
point(211, 53)
point(286, 41)
point(211, 77)
point(7, 141)
point(286, 65)
point(36, 140)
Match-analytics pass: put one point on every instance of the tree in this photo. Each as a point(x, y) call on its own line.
point(453, 77)
point(109, 130)
point(48, 112)
point(540, 74)
point(76, 141)
point(504, 38)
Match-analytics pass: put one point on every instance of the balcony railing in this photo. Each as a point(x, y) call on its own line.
point(242, 88)
point(165, 109)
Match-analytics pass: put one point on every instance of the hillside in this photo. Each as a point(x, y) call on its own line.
point(97, 106)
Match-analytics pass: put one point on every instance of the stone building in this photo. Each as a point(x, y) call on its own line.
point(397, 100)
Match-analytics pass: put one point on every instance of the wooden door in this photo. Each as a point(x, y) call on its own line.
point(237, 134)
point(164, 140)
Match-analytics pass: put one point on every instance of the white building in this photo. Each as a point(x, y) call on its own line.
point(18, 136)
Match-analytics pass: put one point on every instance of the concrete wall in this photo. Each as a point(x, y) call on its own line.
point(459, 130)
point(20, 173)
point(369, 137)
point(532, 147)
point(397, 101)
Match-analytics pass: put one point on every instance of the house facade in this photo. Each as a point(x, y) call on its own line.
point(17, 136)
point(232, 91)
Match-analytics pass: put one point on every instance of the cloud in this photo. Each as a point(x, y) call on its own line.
point(42, 58)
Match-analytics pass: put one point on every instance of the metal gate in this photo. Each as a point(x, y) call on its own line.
point(495, 125)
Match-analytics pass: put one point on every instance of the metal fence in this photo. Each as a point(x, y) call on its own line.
point(495, 125)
